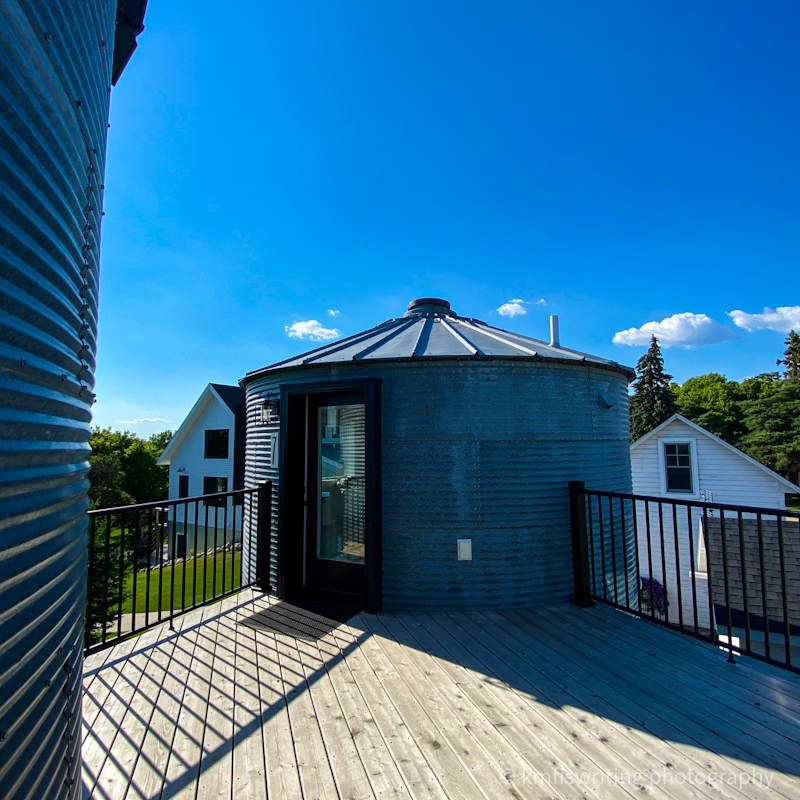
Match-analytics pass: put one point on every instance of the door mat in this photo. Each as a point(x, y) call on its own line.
point(306, 620)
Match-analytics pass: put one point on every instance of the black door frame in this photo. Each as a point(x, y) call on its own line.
point(291, 485)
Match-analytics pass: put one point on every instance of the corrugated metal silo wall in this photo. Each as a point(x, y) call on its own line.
point(482, 450)
point(55, 74)
point(259, 467)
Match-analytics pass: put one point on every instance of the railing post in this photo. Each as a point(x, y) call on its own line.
point(580, 545)
point(263, 535)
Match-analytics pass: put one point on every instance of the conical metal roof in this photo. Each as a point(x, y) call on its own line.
point(430, 329)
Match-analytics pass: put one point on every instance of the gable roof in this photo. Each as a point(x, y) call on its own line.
point(694, 426)
point(226, 396)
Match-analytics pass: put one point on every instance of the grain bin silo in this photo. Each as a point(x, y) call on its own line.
point(424, 463)
point(57, 63)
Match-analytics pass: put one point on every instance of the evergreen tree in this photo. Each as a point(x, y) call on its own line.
point(773, 424)
point(653, 399)
point(791, 358)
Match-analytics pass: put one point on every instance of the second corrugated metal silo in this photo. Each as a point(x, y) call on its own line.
point(57, 62)
point(481, 431)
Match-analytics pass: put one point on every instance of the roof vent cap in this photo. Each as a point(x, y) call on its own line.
point(429, 305)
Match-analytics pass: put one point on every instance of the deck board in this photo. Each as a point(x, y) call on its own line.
point(474, 706)
point(148, 775)
point(249, 772)
point(755, 720)
point(618, 717)
point(283, 777)
point(646, 700)
point(183, 766)
point(216, 765)
point(780, 690)
point(717, 721)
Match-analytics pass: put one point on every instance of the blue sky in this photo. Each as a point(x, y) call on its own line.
point(623, 162)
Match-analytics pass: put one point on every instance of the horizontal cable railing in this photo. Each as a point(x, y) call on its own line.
point(726, 574)
point(152, 562)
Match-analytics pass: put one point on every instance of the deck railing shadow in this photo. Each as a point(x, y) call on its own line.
point(192, 772)
point(513, 654)
point(643, 679)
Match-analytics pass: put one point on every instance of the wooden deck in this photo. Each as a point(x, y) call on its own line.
point(554, 702)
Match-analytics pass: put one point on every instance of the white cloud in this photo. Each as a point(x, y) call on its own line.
point(311, 329)
point(781, 319)
point(513, 308)
point(541, 303)
point(334, 312)
point(137, 421)
point(679, 330)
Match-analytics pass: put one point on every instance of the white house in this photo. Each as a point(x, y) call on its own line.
point(206, 456)
point(679, 460)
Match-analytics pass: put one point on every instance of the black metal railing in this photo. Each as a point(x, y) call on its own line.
point(152, 562)
point(729, 575)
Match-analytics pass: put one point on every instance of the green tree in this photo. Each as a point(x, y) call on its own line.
point(105, 549)
point(791, 358)
point(773, 429)
point(105, 478)
point(712, 402)
point(109, 569)
point(760, 386)
point(160, 441)
point(142, 478)
point(123, 470)
point(653, 399)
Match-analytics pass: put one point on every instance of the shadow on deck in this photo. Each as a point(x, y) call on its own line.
point(553, 702)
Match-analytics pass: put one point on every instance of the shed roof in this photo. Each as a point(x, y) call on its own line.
point(232, 396)
point(430, 330)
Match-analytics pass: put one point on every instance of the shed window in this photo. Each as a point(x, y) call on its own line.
point(217, 443)
point(678, 467)
point(215, 486)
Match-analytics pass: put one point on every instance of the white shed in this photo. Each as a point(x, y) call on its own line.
point(679, 460)
point(206, 456)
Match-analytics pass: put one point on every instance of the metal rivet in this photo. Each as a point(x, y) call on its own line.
point(78, 103)
point(2, 735)
point(47, 682)
point(47, 36)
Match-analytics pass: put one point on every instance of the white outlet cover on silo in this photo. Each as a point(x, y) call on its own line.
point(464, 548)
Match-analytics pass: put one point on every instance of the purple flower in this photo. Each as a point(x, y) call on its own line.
point(651, 587)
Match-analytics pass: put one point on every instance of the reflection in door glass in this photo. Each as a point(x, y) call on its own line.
point(340, 493)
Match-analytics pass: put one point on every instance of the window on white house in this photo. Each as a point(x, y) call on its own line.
point(183, 486)
point(215, 486)
point(678, 467)
point(217, 443)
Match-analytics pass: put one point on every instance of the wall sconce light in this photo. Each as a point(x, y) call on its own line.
point(268, 412)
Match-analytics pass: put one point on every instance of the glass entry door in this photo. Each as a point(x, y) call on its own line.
point(335, 494)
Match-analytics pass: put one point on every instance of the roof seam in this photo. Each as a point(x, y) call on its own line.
point(371, 348)
point(498, 338)
point(471, 347)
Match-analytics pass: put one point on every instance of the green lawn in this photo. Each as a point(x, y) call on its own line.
point(233, 571)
